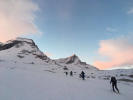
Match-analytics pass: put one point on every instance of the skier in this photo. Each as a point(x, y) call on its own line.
point(82, 75)
point(114, 84)
point(71, 73)
point(66, 73)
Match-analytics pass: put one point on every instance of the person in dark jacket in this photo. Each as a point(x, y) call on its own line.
point(71, 73)
point(114, 84)
point(66, 73)
point(82, 75)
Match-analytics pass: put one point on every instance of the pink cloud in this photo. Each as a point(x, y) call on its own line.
point(17, 18)
point(119, 51)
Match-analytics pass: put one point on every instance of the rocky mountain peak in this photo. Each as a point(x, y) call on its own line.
point(22, 48)
point(18, 42)
point(73, 59)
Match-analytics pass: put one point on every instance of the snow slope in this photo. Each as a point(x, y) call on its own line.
point(24, 84)
point(22, 50)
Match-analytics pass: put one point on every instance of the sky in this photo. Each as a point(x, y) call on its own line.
point(100, 32)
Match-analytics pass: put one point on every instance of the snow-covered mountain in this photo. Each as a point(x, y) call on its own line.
point(74, 61)
point(22, 50)
point(129, 66)
point(25, 50)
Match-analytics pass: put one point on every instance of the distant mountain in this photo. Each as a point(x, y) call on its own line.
point(129, 66)
point(70, 60)
point(74, 61)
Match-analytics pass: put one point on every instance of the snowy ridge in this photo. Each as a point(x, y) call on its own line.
point(74, 61)
point(70, 60)
point(22, 50)
point(26, 51)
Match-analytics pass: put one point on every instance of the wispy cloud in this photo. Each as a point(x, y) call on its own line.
point(130, 11)
point(119, 51)
point(17, 18)
point(110, 29)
